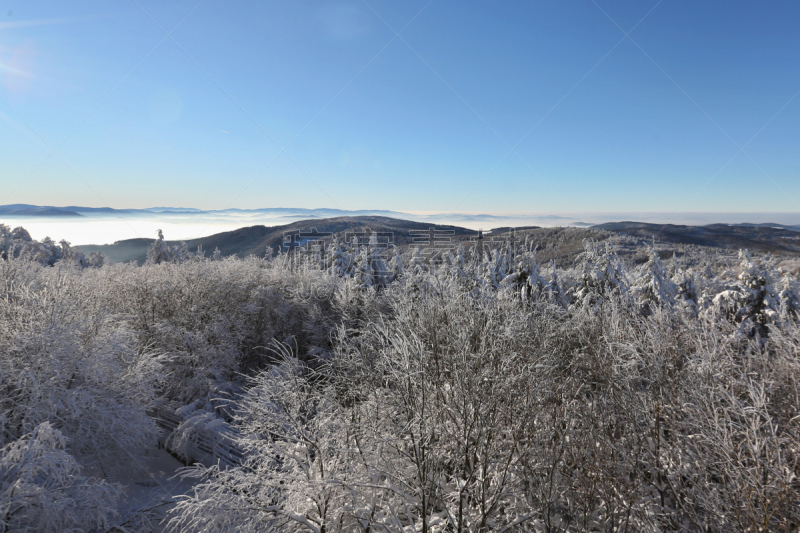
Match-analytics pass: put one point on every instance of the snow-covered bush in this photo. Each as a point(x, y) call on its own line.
point(70, 361)
point(296, 440)
point(42, 488)
point(446, 409)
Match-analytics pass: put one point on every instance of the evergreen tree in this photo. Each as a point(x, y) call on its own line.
point(380, 270)
point(370, 269)
point(362, 270)
point(184, 254)
point(341, 259)
point(653, 286)
point(752, 302)
point(553, 290)
point(460, 262)
point(602, 277)
point(688, 295)
point(524, 279)
point(790, 295)
point(499, 265)
point(396, 265)
point(417, 261)
point(159, 252)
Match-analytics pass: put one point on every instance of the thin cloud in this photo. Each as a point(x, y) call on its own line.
point(46, 22)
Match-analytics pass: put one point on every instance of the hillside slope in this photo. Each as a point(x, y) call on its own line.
point(560, 244)
point(761, 238)
point(255, 239)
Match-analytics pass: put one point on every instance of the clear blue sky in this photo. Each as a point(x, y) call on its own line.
point(424, 121)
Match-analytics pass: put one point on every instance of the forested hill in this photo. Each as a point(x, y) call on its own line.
point(756, 237)
point(242, 242)
point(255, 239)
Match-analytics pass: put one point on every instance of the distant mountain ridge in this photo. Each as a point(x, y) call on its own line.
point(28, 210)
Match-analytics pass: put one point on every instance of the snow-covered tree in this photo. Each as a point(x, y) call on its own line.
point(159, 252)
point(553, 291)
point(602, 276)
point(46, 252)
point(653, 285)
point(369, 268)
point(340, 259)
point(184, 254)
point(498, 266)
point(19, 243)
point(475, 259)
point(435, 404)
point(524, 280)
point(688, 295)
point(362, 269)
point(21, 234)
point(417, 262)
point(396, 266)
point(752, 301)
point(380, 269)
point(790, 294)
point(459, 263)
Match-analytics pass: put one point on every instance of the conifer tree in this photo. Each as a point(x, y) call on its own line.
point(553, 290)
point(653, 286)
point(790, 295)
point(752, 301)
point(602, 277)
point(417, 261)
point(688, 295)
point(159, 252)
point(341, 259)
point(396, 265)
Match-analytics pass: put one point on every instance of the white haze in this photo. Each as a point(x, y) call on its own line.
point(106, 229)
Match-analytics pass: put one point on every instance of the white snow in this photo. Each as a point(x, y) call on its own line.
point(150, 488)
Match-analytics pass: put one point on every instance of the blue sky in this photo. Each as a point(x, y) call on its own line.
point(321, 104)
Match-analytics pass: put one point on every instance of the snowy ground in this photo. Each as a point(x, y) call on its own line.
point(150, 490)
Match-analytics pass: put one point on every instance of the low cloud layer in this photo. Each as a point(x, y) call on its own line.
point(108, 228)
